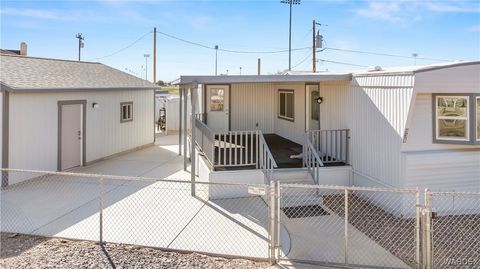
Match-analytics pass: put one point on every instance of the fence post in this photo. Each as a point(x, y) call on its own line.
point(428, 231)
point(272, 206)
point(101, 210)
point(418, 212)
point(277, 187)
point(346, 226)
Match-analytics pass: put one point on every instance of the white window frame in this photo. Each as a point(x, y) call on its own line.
point(129, 116)
point(287, 109)
point(466, 119)
point(476, 118)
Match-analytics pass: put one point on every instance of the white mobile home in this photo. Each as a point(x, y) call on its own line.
point(59, 114)
point(399, 127)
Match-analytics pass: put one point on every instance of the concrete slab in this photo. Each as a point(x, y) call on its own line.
point(228, 226)
point(322, 239)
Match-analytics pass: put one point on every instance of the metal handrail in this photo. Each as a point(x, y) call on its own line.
point(331, 145)
point(311, 159)
point(265, 160)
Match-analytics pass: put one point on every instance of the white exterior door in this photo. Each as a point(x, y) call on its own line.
point(71, 136)
point(217, 107)
point(312, 112)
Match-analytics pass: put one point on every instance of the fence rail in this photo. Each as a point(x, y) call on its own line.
point(331, 145)
point(340, 225)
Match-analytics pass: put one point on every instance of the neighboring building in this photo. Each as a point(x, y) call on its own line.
point(397, 128)
point(59, 114)
point(22, 51)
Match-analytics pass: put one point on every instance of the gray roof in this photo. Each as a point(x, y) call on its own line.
point(265, 78)
point(31, 74)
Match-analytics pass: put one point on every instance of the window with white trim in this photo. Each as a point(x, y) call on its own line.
point(478, 117)
point(286, 105)
point(452, 117)
point(456, 118)
point(126, 111)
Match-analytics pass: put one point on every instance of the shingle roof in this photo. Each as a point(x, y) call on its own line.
point(25, 74)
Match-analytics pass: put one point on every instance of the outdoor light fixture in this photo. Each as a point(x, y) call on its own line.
point(319, 100)
point(95, 105)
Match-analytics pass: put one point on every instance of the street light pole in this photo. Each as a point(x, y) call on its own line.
point(146, 65)
point(216, 54)
point(290, 2)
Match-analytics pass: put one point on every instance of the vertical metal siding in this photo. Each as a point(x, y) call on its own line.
point(34, 126)
point(291, 130)
point(380, 109)
point(252, 103)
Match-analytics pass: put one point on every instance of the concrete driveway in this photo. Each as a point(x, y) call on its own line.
point(152, 213)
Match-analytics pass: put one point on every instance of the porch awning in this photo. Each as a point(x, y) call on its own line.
point(264, 78)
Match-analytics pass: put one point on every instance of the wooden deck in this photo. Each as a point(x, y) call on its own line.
point(280, 147)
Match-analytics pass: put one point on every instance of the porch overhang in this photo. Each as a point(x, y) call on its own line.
point(185, 80)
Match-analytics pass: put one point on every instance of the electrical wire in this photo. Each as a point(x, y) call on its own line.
point(387, 54)
point(122, 49)
point(227, 50)
point(343, 63)
point(302, 61)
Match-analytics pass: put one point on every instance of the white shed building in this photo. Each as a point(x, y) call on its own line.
point(397, 128)
point(59, 114)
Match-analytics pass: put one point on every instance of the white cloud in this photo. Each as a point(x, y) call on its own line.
point(407, 12)
point(31, 13)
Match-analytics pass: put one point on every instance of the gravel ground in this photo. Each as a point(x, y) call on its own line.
point(25, 251)
point(454, 237)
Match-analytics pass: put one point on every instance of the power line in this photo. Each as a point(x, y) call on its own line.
point(342, 63)
point(226, 50)
point(124, 48)
point(302, 61)
point(387, 54)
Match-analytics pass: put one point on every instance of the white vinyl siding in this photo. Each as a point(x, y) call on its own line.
point(34, 122)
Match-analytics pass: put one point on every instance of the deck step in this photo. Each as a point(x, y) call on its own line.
point(293, 176)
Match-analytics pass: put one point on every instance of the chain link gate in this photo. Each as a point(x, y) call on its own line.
point(349, 226)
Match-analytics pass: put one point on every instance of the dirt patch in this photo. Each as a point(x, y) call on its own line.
point(455, 238)
point(25, 251)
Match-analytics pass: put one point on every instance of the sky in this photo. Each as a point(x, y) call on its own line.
point(120, 32)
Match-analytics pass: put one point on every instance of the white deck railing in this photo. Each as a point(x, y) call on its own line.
point(311, 159)
point(266, 162)
point(234, 148)
point(332, 145)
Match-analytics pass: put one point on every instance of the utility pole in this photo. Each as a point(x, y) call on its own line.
point(240, 70)
point(317, 41)
point(314, 55)
point(258, 66)
point(290, 2)
point(415, 55)
point(80, 44)
point(216, 54)
point(154, 54)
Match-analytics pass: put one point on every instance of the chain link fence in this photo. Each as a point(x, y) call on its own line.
point(359, 227)
point(333, 225)
point(229, 220)
point(455, 229)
